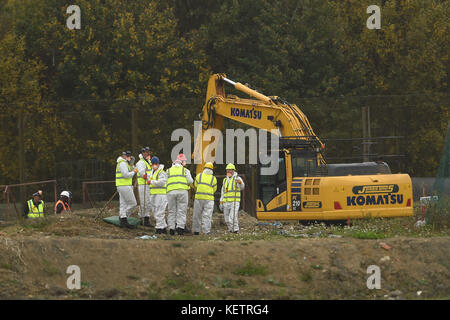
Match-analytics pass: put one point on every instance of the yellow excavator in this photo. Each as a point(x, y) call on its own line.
point(305, 187)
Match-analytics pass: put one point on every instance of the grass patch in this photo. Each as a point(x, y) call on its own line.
point(226, 283)
point(316, 266)
point(367, 235)
point(251, 269)
point(154, 292)
point(174, 282)
point(6, 266)
point(190, 291)
point(438, 214)
point(49, 269)
point(211, 253)
point(306, 276)
point(86, 284)
point(133, 277)
point(274, 282)
point(37, 224)
point(241, 282)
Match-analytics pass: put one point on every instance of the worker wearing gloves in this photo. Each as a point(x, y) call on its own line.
point(144, 169)
point(158, 197)
point(124, 184)
point(178, 180)
point(34, 208)
point(63, 204)
point(230, 197)
point(206, 185)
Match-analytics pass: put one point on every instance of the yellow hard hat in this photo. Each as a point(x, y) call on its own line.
point(231, 166)
point(209, 165)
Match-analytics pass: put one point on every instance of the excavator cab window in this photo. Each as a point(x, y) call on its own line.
point(271, 186)
point(304, 163)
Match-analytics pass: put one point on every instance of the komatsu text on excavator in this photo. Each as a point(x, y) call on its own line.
point(305, 187)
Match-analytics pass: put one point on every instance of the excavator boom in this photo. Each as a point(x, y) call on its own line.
point(267, 113)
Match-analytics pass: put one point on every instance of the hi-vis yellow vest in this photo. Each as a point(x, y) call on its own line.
point(176, 179)
point(148, 168)
point(155, 189)
point(231, 191)
point(33, 211)
point(206, 185)
point(120, 180)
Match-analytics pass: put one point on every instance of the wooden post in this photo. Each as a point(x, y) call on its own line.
point(365, 143)
point(21, 155)
point(7, 200)
point(84, 194)
point(134, 131)
point(56, 197)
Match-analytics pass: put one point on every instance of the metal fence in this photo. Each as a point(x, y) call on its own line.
point(15, 195)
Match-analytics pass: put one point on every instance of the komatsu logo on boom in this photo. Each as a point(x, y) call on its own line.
point(366, 196)
point(246, 113)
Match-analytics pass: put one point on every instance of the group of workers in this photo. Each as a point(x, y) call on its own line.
point(35, 207)
point(160, 189)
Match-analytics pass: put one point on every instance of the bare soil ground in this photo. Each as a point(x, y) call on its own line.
point(264, 261)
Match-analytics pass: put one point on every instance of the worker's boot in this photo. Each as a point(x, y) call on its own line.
point(124, 223)
point(147, 222)
point(172, 232)
point(180, 231)
point(161, 231)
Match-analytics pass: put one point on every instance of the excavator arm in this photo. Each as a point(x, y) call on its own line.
point(263, 112)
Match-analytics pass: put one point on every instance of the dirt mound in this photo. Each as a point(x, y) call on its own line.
point(266, 260)
point(34, 267)
point(83, 224)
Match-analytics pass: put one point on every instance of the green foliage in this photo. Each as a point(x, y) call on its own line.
point(438, 214)
point(49, 269)
point(274, 282)
point(251, 269)
point(76, 88)
point(224, 283)
point(367, 235)
point(305, 276)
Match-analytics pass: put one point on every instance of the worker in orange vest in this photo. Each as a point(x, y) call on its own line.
point(63, 204)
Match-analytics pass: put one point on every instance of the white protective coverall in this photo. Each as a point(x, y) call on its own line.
point(144, 189)
point(231, 209)
point(203, 210)
point(159, 201)
point(126, 195)
point(177, 202)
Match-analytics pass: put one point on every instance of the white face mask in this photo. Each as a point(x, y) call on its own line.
point(155, 166)
point(229, 174)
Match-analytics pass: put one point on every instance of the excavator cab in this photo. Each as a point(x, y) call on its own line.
point(292, 163)
point(269, 186)
point(304, 163)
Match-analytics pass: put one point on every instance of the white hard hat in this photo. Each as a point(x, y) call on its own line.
point(65, 193)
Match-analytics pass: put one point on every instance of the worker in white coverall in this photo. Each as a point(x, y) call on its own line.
point(158, 197)
point(206, 185)
point(230, 198)
point(124, 184)
point(178, 180)
point(144, 169)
